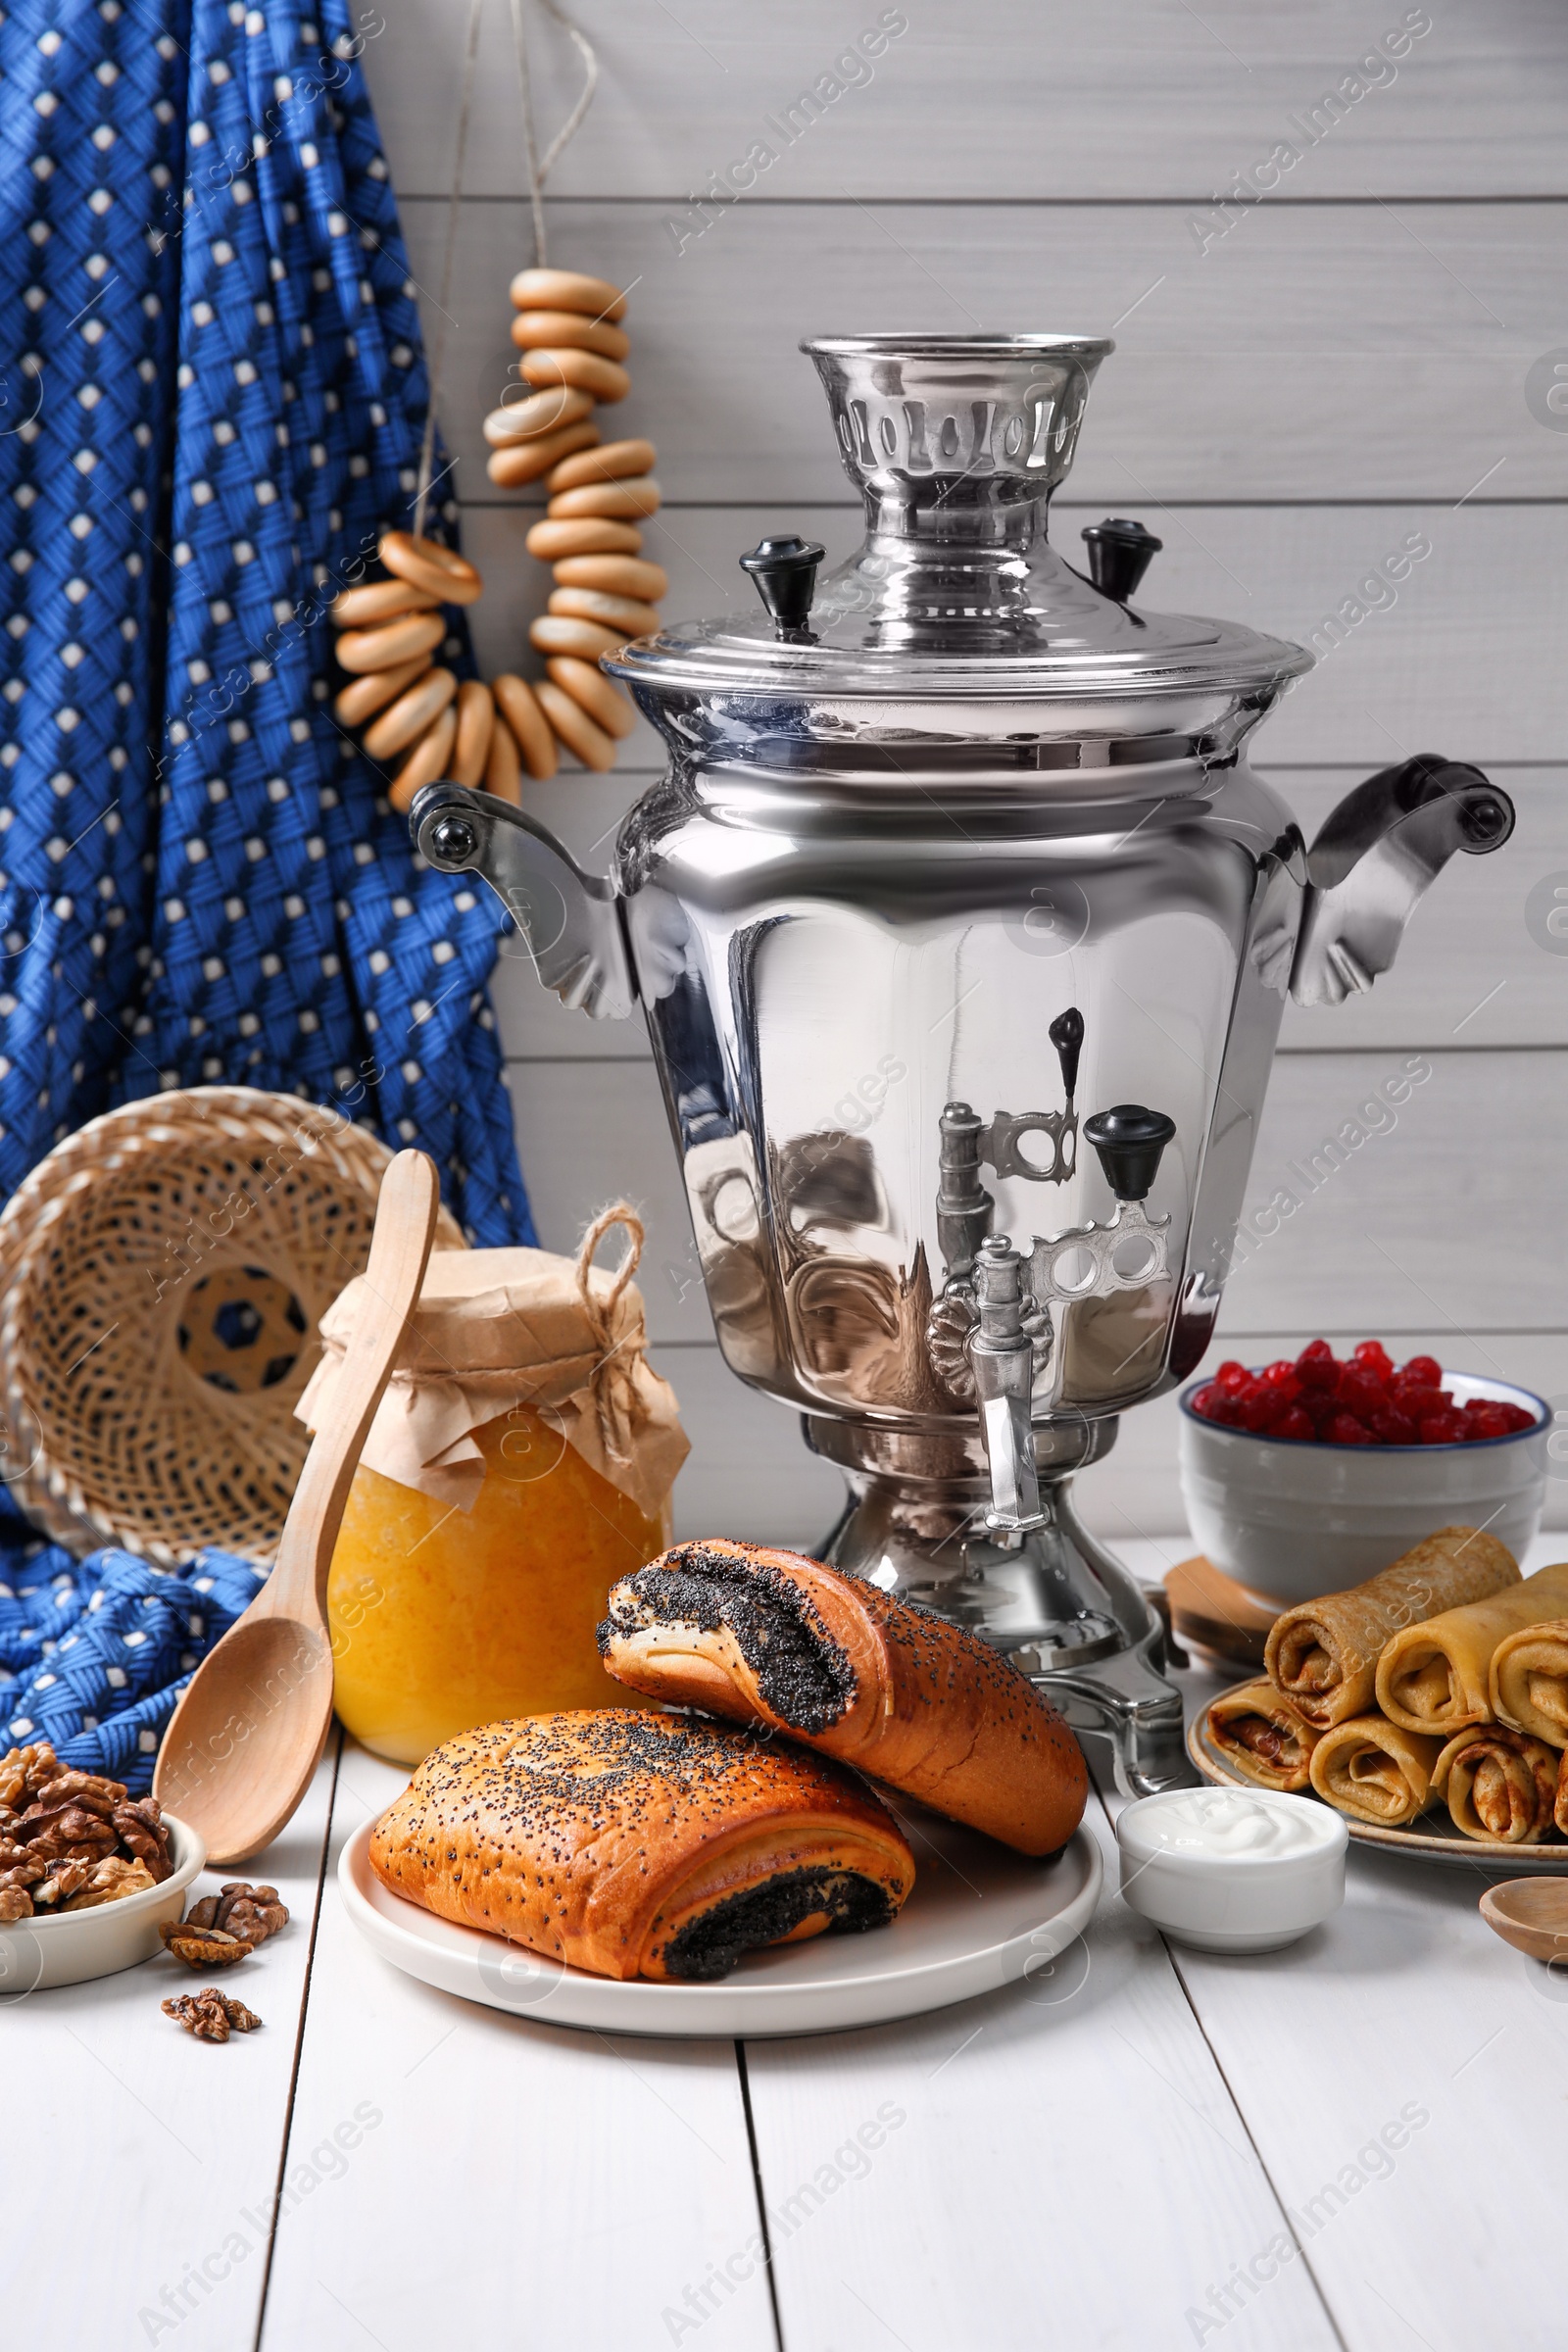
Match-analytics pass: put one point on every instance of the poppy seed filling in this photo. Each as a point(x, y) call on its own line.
point(707, 1946)
point(802, 1674)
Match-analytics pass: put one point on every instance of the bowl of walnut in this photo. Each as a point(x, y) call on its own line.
point(87, 1873)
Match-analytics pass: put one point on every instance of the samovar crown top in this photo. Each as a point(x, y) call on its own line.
point(957, 412)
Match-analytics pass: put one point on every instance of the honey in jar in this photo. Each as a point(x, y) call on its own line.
point(520, 1464)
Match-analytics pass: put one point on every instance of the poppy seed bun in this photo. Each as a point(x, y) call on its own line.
point(640, 1845)
point(775, 1640)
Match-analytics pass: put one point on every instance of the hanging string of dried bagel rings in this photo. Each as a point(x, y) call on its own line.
point(412, 709)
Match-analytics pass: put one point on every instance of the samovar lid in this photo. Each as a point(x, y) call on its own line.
point(955, 443)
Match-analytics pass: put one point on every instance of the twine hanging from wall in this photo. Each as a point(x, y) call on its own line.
point(574, 348)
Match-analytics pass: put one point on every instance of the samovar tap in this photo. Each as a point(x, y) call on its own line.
point(1002, 1357)
point(1011, 1291)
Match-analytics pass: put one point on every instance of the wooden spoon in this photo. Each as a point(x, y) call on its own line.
point(249, 1732)
point(1531, 1914)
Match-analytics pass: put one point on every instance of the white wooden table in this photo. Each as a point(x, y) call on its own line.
point(1358, 2144)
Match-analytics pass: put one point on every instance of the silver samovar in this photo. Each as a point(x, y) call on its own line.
point(960, 914)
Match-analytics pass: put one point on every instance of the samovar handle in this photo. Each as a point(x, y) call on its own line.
point(1377, 856)
point(568, 920)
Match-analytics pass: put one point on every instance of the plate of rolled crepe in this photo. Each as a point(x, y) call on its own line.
point(1429, 1706)
point(830, 1808)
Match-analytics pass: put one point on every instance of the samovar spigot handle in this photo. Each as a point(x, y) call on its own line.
point(969, 1143)
point(1001, 1353)
point(1130, 1142)
point(1067, 1034)
point(1129, 1251)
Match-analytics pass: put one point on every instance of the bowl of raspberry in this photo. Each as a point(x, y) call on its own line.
point(1304, 1477)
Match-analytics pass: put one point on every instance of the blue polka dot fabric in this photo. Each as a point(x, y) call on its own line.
point(212, 402)
point(94, 1654)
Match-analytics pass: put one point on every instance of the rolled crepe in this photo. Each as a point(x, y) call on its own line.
point(1500, 1784)
point(1323, 1654)
point(1436, 1676)
point(1561, 1810)
point(1374, 1772)
point(1528, 1683)
point(1260, 1735)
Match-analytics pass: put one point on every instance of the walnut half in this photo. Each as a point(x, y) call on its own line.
point(211, 2015)
point(140, 1824)
point(23, 1772)
point(112, 1880)
point(202, 1947)
point(251, 1912)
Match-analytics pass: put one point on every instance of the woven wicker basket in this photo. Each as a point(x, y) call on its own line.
point(162, 1274)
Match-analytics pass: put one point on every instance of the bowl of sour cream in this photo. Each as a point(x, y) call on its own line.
point(1232, 1870)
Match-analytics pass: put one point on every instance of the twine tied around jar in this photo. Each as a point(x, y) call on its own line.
point(499, 1331)
point(614, 1392)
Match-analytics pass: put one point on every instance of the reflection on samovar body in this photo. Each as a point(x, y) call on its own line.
point(964, 931)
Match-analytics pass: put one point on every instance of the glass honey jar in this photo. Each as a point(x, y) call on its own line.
point(520, 1464)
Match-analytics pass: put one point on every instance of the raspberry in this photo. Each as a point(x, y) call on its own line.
point(1214, 1405)
point(1360, 1393)
point(1366, 1399)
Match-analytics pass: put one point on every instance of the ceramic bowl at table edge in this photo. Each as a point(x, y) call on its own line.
point(68, 1949)
point(1232, 1903)
point(1293, 1517)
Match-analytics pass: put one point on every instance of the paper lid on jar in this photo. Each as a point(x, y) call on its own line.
point(503, 1310)
point(494, 1330)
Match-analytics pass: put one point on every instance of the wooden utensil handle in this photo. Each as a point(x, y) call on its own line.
point(399, 1250)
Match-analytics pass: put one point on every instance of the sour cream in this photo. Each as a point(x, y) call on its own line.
point(1232, 1870)
point(1234, 1824)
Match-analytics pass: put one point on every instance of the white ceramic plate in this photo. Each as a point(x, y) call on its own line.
point(1421, 1844)
point(979, 1917)
point(36, 1954)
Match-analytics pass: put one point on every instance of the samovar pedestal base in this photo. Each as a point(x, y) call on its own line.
point(1054, 1602)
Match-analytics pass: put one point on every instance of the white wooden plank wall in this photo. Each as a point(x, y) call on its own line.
point(1302, 380)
